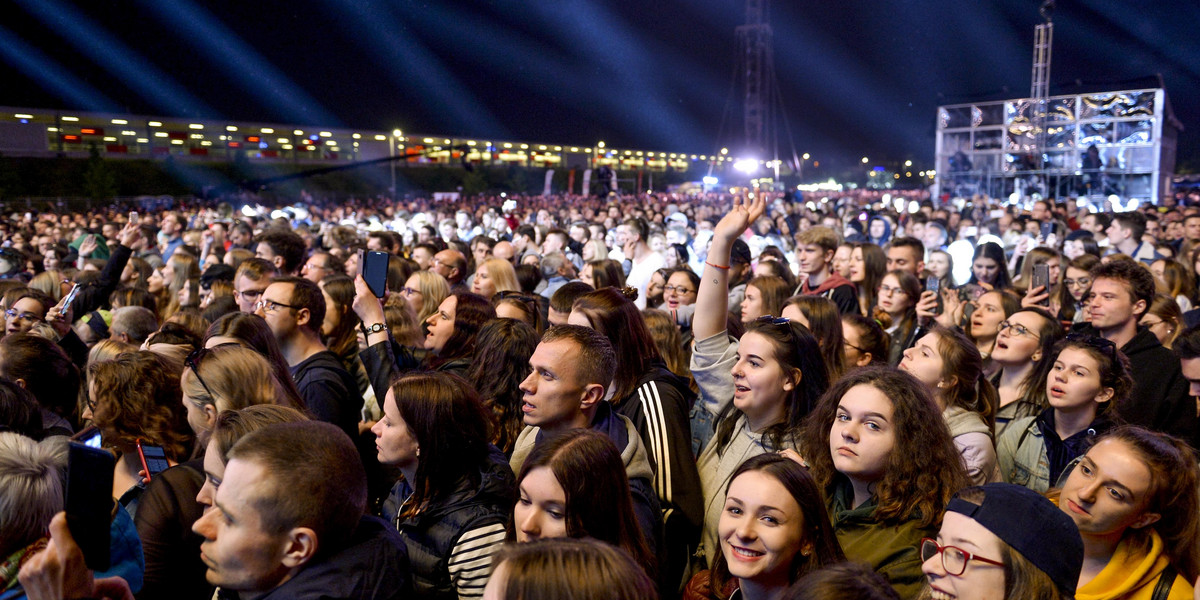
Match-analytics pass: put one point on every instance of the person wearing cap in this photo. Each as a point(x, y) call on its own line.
point(1134, 498)
point(1001, 540)
point(740, 272)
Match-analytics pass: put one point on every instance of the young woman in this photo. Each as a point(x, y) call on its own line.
point(494, 275)
point(1084, 378)
point(1164, 319)
point(773, 530)
point(991, 309)
point(501, 362)
point(1025, 338)
point(1134, 498)
point(820, 316)
point(1076, 283)
point(603, 273)
point(669, 342)
point(1037, 257)
point(340, 332)
point(228, 377)
point(765, 296)
point(865, 341)
point(896, 309)
point(137, 397)
point(251, 331)
point(574, 486)
point(885, 460)
point(759, 390)
point(984, 551)
point(657, 402)
point(453, 499)
point(451, 332)
point(567, 568)
point(1178, 284)
point(680, 290)
point(868, 264)
point(948, 363)
point(424, 292)
point(988, 267)
point(941, 266)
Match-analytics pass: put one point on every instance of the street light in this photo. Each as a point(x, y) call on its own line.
point(864, 160)
point(396, 134)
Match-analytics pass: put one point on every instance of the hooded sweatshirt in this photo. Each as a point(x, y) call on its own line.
point(973, 438)
point(840, 290)
point(1133, 573)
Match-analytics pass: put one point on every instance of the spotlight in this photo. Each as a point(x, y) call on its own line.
point(746, 165)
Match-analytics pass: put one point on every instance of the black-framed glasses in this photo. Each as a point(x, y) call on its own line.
point(677, 289)
point(1018, 329)
point(249, 294)
point(193, 362)
point(887, 290)
point(954, 559)
point(272, 306)
point(1099, 343)
point(1081, 282)
point(24, 316)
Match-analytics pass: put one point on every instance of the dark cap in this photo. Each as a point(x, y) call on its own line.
point(217, 272)
point(740, 253)
point(1033, 526)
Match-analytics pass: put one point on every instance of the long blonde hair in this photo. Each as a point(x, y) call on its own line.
point(235, 376)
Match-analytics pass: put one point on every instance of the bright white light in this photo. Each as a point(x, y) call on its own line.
point(195, 126)
point(864, 160)
point(1014, 197)
point(249, 211)
point(962, 251)
point(267, 130)
point(120, 122)
point(231, 128)
point(914, 207)
point(805, 157)
point(746, 165)
point(710, 180)
point(908, 163)
point(987, 237)
point(70, 118)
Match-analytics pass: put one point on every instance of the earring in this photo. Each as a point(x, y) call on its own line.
point(418, 453)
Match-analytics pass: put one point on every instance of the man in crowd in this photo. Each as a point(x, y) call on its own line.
point(171, 227)
point(557, 270)
point(1187, 348)
point(571, 369)
point(283, 248)
point(132, 324)
point(814, 251)
point(644, 261)
point(294, 309)
point(906, 254)
point(423, 254)
point(1121, 293)
point(452, 265)
point(251, 279)
point(562, 300)
point(320, 265)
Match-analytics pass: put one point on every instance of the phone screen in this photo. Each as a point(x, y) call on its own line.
point(154, 459)
point(374, 271)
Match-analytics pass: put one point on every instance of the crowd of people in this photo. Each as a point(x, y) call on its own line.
point(756, 396)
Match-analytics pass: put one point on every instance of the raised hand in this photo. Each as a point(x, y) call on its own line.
point(740, 216)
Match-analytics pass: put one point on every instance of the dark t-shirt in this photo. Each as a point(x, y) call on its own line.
point(329, 391)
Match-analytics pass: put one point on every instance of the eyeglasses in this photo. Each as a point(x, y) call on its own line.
point(1099, 343)
point(407, 291)
point(1081, 282)
point(23, 316)
point(677, 289)
point(308, 266)
point(249, 294)
point(1018, 329)
point(954, 559)
point(885, 290)
point(272, 306)
point(193, 362)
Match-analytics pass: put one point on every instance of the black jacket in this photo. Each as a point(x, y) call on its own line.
point(329, 392)
point(1160, 400)
point(372, 566)
point(166, 512)
point(432, 535)
point(659, 409)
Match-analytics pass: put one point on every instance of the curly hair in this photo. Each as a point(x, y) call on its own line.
point(137, 396)
point(923, 469)
point(502, 351)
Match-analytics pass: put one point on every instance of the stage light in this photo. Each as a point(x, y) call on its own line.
point(864, 160)
point(267, 130)
point(710, 180)
point(70, 118)
point(805, 157)
point(120, 122)
point(908, 163)
point(325, 134)
point(231, 128)
point(746, 165)
point(195, 126)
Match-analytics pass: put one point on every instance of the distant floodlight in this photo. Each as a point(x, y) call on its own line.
point(710, 180)
point(746, 165)
point(914, 207)
point(865, 160)
point(1014, 197)
point(249, 211)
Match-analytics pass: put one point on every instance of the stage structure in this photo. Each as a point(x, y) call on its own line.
point(1093, 146)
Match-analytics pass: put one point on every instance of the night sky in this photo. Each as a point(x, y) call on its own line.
point(858, 77)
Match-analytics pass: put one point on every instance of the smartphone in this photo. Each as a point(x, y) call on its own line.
point(1047, 229)
point(89, 437)
point(154, 459)
point(133, 216)
point(1041, 278)
point(70, 297)
point(933, 284)
point(89, 502)
point(373, 266)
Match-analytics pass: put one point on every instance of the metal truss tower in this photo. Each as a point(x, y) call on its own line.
point(1040, 90)
point(757, 65)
